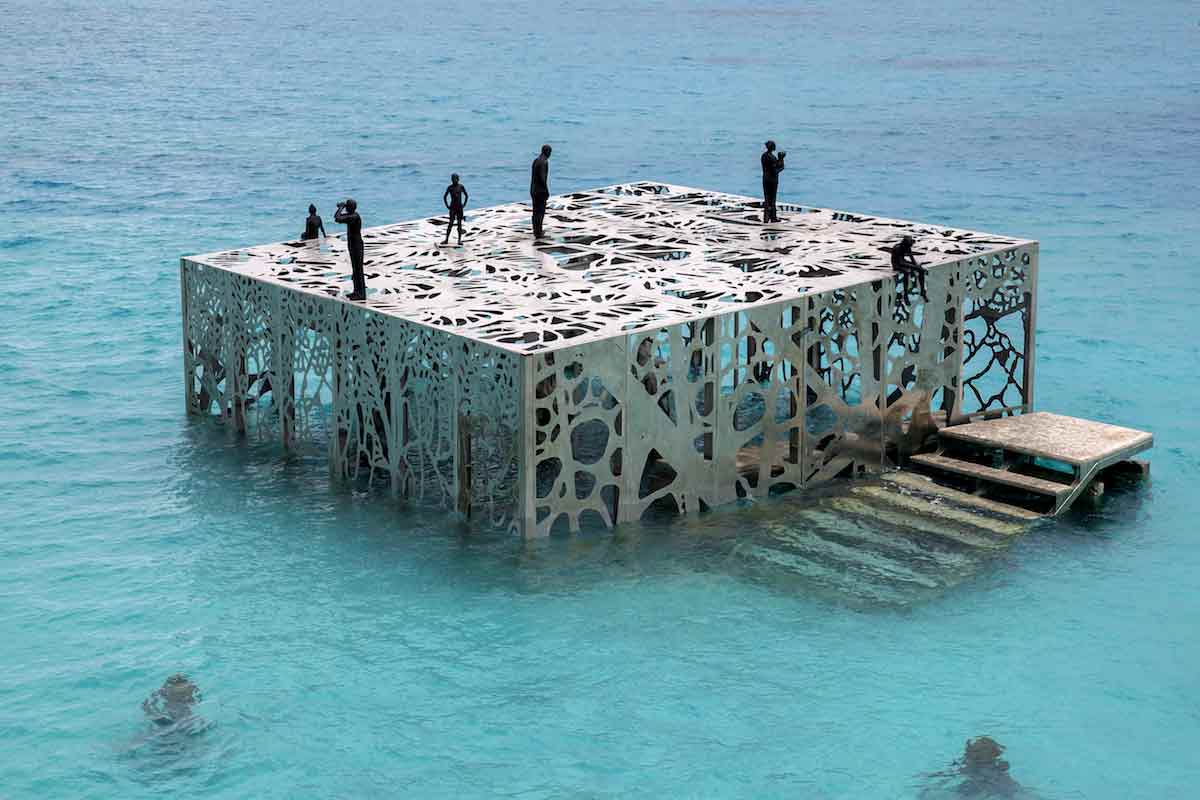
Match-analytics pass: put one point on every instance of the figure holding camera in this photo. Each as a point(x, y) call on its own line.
point(772, 165)
point(347, 214)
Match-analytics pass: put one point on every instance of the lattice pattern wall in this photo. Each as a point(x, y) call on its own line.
point(432, 414)
point(667, 353)
point(790, 395)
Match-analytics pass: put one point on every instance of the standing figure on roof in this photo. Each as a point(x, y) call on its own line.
point(312, 224)
point(906, 266)
point(455, 199)
point(347, 214)
point(772, 165)
point(539, 189)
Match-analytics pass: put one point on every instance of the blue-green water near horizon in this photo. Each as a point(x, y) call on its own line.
point(349, 647)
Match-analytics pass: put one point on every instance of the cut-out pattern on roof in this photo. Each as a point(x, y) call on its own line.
point(618, 260)
point(589, 380)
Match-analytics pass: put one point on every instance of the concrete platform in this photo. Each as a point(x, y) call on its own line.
point(1074, 441)
point(1014, 443)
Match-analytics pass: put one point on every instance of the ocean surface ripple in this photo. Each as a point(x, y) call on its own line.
point(347, 646)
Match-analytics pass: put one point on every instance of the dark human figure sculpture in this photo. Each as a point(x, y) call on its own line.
point(173, 701)
point(906, 266)
point(347, 214)
point(455, 199)
point(984, 772)
point(539, 189)
point(772, 165)
point(312, 224)
point(980, 773)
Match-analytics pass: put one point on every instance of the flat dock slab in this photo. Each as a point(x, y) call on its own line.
point(1074, 441)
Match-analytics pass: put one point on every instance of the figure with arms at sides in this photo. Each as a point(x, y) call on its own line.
point(539, 189)
point(312, 224)
point(455, 199)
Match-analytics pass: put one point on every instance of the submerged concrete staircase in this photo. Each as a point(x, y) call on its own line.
point(911, 535)
point(895, 543)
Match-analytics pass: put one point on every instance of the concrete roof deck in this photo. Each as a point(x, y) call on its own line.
point(617, 260)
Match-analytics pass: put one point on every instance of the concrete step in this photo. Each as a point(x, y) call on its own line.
point(867, 530)
point(913, 519)
point(942, 510)
point(992, 475)
point(861, 559)
point(908, 483)
point(887, 543)
point(836, 582)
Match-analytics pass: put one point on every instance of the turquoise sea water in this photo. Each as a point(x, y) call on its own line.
point(348, 647)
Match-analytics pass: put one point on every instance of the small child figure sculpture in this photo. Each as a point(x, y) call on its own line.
point(455, 199)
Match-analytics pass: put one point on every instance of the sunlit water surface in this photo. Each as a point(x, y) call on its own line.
point(347, 646)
